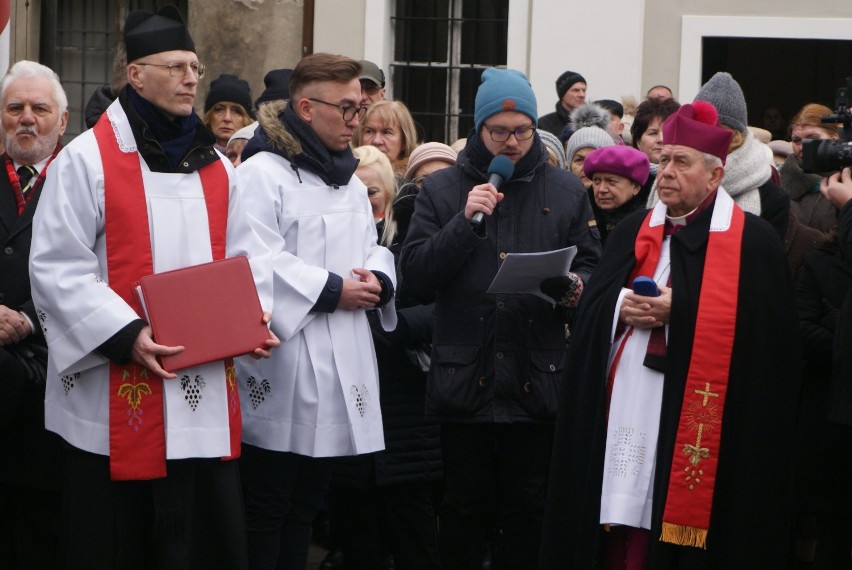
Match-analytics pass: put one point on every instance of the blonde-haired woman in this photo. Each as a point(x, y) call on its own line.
point(382, 503)
point(388, 126)
point(375, 171)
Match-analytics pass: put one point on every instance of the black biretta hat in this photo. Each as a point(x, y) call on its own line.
point(146, 33)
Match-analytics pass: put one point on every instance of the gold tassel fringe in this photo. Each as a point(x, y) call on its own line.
point(684, 535)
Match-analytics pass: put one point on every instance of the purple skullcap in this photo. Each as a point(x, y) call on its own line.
point(696, 125)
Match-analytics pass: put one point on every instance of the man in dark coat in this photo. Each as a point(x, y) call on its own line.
point(838, 189)
point(571, 90)
point(705, 413)
point(498, 360)
point(34, 116)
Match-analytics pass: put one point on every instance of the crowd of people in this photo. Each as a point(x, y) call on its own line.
point(680, 397)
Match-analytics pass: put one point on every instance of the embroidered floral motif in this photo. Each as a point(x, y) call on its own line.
point(134, 391)
point(42, 320)
point(360, 398)
point(258, 390)
point(192, 388)
point(231, 379)
point(68, 381)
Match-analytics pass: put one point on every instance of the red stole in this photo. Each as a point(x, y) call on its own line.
point(137, 436)
point(689, 499)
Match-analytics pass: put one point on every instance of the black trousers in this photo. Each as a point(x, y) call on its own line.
point(283, 493)
point(370, 523)
point(496, 481)
point(193, 518)
point(30, 534)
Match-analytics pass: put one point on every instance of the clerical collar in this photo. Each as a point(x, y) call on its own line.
point(39, 166)
point(675, 223)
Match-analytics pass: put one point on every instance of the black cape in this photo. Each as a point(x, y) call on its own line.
point(751, 513)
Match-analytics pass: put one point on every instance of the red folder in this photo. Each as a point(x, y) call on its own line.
point(212, 310)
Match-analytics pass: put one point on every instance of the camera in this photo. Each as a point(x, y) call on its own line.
point(829, 156)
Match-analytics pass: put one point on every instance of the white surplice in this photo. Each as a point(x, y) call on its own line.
point(634, 424)
point(318, 395)
point(78, 311)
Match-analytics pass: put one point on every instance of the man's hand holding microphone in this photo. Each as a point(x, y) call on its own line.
point(482, 200)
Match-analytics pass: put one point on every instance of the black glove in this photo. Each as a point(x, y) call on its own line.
point(565, 290)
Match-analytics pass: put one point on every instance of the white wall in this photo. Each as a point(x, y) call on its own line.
point(601, 40)
point(339, 27)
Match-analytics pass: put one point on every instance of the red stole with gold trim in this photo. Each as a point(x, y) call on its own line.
point(137, 436)
point(689, 499)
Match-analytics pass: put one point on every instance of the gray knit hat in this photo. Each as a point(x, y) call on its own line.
point(724, 93)
point(552, 142)
point(591, 137)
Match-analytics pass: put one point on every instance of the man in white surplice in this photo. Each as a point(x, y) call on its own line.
point(318, 396)
point(148, 480)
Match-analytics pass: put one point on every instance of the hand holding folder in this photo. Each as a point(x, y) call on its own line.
point(211, 310)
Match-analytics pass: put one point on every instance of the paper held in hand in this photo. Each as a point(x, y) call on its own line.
point(211, 309)
point(524, 272)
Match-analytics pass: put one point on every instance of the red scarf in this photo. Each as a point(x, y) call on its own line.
point(137, 423)
point(689, 499)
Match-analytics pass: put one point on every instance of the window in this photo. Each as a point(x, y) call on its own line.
point(82, 49)
point(440, 50)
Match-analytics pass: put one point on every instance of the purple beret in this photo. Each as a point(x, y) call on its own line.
point(622, 160)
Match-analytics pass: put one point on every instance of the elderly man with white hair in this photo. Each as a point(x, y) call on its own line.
point(32, 119)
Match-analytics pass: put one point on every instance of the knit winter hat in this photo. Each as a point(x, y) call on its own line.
point(427, 152)
point(586, 137)
point(697, 126)
point(504, 90)
point(566, 80)
point(146, 33)
point(229, 88)
point(724, 93)
point(619, 159)
point(277, 82)
point(553, 144)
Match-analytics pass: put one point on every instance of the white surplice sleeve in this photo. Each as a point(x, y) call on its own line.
point(297, 284)
point(381, 259)
point(77, 310)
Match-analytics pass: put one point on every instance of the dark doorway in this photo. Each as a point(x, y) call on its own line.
point(780, 72)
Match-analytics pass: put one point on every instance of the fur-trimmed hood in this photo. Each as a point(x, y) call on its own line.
point(271, 136)
point(283, 133)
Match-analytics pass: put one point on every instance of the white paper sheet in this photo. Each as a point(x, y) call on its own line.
point(524, 272)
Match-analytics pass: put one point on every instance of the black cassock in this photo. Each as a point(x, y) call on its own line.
point(751, 520)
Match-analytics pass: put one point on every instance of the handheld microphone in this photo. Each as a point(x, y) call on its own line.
point(500, 170)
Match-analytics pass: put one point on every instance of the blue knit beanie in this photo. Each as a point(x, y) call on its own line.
point(504, 90)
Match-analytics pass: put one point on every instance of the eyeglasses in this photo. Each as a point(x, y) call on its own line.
point(500, 134)
point(179, 69)
point(348, 111)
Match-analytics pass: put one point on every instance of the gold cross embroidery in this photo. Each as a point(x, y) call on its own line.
point(706, 393)
point(695, 452)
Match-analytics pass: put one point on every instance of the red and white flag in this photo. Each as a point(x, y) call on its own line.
point(5, 6)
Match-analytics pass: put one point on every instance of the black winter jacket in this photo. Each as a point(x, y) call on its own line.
point(495, 357)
